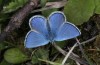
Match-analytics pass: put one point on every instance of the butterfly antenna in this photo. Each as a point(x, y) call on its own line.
point(82, 51)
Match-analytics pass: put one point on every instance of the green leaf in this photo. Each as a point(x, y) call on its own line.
point(43, 2)
point(40, 53)
point(14, 5)
point(3, 62)
point(46, 13)
point(79, 11)
point(4, 17)
point(1, 1)
point(14, 55)
point(97, 8)
point(2, 46)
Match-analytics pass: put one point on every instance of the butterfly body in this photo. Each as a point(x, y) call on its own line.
point(55, 28)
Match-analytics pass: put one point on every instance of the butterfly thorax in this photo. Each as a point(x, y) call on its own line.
point(51, 35)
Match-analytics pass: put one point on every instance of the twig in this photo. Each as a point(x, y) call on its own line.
point(72, 55)
point(68, 54)
point(77, 63)
point(56, 4)
point(89, 40)
point(50, 5)
point(83, 53)
point(18, 17)
point(55, 57)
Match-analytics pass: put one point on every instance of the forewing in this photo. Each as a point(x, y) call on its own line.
point(38, 23)
point(35, 39)
point(56, 19)
point(67, 31)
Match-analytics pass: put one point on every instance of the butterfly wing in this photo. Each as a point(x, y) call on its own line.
point(56, 19)
point(35, 39)
point(67, 31)
point(38, 23)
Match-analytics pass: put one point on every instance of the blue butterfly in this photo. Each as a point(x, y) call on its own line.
point(55, 28)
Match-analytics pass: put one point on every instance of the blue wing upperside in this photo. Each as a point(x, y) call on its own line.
point(67, 31)
point(38, 23)
point(35, 39)
point(56, 19)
